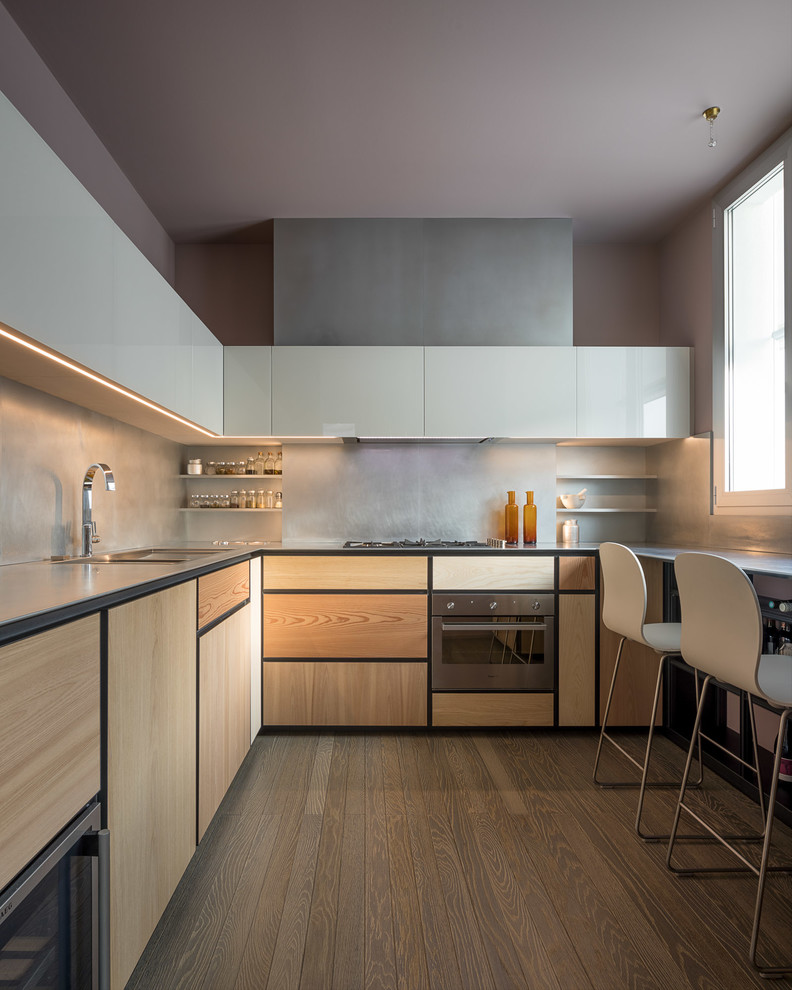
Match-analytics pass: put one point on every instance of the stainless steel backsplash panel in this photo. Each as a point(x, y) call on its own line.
point(392, 491)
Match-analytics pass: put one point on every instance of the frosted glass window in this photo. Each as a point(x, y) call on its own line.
point(754, 351)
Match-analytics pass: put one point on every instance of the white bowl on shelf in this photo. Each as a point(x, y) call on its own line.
point(570, 501)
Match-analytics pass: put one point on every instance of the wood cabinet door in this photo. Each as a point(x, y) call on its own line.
point(49, 737)
point(223, 710)
point(344, 693)
point(576, 660)
point(361, 626)
point(151, 771)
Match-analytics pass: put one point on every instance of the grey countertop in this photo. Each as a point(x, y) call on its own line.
point(39, 593)
point(752, 561)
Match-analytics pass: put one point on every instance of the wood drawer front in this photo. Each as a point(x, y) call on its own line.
point(339, 693)
point(576, 660)
point(49, 737)
point(576, 573)
point(340, 573)
point(366, 626)
point(492, 709)
point(492, 573)
point(221, 591)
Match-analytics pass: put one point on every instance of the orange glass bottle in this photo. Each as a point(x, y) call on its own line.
point(529, 519)
point(512, 520)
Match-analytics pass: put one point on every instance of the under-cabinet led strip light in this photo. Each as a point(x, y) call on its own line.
point(103, 381)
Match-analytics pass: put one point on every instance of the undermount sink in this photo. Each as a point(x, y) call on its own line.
point(146, 555)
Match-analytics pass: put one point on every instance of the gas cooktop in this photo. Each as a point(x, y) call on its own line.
point(413, 545)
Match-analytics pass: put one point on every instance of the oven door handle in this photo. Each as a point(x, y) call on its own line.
point(492, 626)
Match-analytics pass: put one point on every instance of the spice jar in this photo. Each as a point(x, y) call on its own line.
point(570, 531)
point(194, 466)
point(278, 500)
point(260, 499)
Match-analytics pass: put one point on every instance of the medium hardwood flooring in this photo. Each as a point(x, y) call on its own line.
point(455, 861)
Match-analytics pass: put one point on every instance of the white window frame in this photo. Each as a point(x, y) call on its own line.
point(770, 502)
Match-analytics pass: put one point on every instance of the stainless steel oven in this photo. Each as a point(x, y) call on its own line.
point(495, 642)
point(54, 930)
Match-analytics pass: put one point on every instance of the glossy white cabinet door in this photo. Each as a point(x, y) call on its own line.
point(633, 391)
point(154, 353)
point(56, 258)
point(500, 391)
point(207, 376)
point(247, 395)
point(347, 391)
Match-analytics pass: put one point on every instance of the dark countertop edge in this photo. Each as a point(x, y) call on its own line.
point(33, 622)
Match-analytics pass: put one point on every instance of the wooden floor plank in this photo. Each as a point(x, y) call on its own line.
point(317, 973)
point(379, 953)
point(411, 962)
point(455, 860)
point(287, 956)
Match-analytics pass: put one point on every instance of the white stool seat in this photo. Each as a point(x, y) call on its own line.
point(774, 677)
point(665, 637)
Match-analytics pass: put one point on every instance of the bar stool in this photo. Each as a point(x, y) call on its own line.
point(722, 638)
point(624, 612)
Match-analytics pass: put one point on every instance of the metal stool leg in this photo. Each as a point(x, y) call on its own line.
point(724, 840)
point(769, 972)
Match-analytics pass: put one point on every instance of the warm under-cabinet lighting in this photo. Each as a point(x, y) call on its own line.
point(101, 381)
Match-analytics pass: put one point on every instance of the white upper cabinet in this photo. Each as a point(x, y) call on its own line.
point(633, 392)
point(153, 359)
point(500, 392)
point(247, 395)
point(347, 391)
point(205, 404)
point(72, 280)
point(56, 259)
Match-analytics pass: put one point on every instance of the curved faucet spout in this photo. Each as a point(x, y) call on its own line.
point(88, 528)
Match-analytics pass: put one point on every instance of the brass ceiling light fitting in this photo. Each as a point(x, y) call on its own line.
point(711, 115)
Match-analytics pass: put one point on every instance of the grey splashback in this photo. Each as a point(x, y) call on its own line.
point(434, 491)
point(46, 445)
point(423, 282)
point(683, 517)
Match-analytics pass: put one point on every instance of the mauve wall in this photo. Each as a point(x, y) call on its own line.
point(686, 303)
point(229, 286)
point(45, 447)
point(35, 92)
point(616, 295)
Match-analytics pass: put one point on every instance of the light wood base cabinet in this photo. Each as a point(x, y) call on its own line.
point(577, 660)
point(49, 737)
point(632, 697)
point(223, 710)
point(335, 692)
point(492, 709)
point(151, 763)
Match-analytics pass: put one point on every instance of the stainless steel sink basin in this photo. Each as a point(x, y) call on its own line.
point(145, 555)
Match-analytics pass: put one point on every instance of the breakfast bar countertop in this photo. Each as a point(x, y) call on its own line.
point(751, 561)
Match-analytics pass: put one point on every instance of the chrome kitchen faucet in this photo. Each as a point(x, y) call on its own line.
point(89, 536)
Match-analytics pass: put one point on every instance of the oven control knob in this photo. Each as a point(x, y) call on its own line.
point(450, 605)
point(535, 606)
point(493, 605)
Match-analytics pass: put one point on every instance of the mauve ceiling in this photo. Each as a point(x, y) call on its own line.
point(226, 114)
